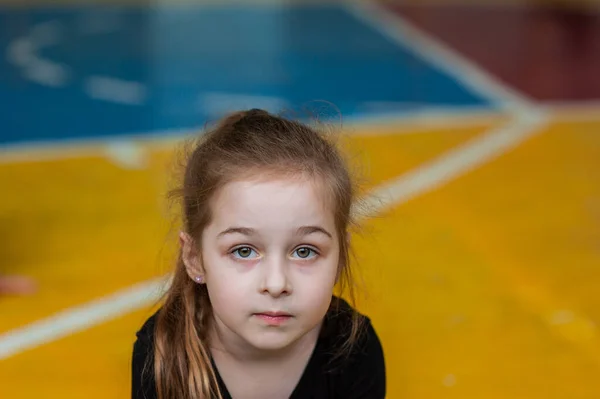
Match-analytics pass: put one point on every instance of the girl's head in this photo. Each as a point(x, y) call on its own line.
point(267, 209)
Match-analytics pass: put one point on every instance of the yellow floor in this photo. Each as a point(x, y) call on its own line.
point(494, 277)
point(484, 288)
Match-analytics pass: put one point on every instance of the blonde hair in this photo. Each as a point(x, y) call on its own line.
point(250, 142)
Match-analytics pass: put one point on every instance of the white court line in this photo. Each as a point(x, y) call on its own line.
point(79, 318)
point(115, 90)
point(456, 162)
point(450, 118)
point(23, 52)
point(426, 178)
point(431, 117)
point(443, 57)
point(574, 111)
point(80, 147)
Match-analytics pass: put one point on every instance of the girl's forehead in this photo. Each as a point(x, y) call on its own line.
point(278, 201)
point(259, 184)
point(283, 191)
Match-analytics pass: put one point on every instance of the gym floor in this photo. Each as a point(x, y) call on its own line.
point(478, 125)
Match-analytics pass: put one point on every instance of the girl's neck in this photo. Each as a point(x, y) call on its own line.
point(225, 343)
point(251, 373)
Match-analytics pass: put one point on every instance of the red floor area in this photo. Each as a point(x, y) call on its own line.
point(550, 54)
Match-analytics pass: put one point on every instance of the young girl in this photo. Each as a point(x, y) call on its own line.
point(251, 311)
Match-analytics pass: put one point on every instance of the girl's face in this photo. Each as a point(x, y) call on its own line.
point(270, 257)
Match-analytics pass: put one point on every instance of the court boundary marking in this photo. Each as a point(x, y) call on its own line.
point(445, 118)
point(411, 123)
point(433, 51)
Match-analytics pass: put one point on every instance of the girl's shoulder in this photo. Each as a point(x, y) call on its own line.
point(342, 319)
point(359, 372)
point(143, 383)
point(146, 331)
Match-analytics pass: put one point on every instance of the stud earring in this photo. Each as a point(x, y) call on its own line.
point(198, 279)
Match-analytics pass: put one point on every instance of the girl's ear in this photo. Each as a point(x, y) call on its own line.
point(191, 257)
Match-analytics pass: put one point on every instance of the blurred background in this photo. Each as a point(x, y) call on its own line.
point(477, 122)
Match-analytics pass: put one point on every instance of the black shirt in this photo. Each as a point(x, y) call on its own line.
point(360, 375)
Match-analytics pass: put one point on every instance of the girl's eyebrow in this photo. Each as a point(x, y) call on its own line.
point(302, 231)
point(306, 230)
point(247, 231)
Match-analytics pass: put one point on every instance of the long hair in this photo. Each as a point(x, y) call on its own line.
point(243, 144)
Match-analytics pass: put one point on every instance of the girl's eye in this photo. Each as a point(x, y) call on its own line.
point(243, 252)
point(305, 252)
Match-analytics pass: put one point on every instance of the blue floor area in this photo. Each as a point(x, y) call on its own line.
point(195, 63)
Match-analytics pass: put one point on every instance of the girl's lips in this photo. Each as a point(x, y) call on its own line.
point(273, 318)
